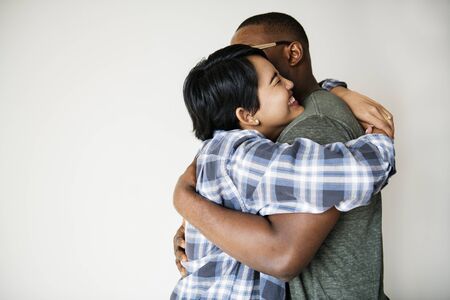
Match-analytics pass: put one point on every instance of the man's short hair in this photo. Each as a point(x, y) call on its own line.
point(217, 86)
point(277, 22)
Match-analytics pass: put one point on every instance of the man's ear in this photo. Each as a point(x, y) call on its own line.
point(295, 53)
point(246, 119)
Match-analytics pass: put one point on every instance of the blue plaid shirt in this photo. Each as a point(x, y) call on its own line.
point(242, 170)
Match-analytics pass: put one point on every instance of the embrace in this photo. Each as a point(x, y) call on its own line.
point(283, 199)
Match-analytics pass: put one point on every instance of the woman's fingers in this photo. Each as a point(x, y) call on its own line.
point(377, 118)
point(181, 269)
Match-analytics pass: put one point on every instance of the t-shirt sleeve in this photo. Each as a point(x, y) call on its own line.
point(321, 129)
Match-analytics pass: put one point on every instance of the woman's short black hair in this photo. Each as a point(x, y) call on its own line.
point(217, 86)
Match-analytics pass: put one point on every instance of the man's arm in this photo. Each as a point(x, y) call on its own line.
point(274, 245)
point(278, 245)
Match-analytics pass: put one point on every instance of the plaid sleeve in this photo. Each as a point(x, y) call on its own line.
point(329, 84)
point(307, 177)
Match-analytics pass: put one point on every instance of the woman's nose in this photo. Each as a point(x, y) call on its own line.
point(289, 84)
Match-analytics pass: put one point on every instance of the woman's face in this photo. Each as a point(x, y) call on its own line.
point(277, 106)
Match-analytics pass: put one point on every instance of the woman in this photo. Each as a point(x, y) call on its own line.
point(239, 104)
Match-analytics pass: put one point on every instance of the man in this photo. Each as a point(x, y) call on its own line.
point(339, 254)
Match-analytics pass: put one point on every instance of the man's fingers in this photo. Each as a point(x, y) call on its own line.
point(180, 231)
point(180, 242)
point(178, 239)
point(180, 255)
point(181, 269)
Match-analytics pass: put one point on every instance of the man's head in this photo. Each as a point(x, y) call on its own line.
point(292, 59)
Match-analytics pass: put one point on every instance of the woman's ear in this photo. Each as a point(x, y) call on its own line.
point(294, 53)
point(246, 119)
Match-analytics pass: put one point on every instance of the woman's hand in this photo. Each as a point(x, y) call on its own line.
point(372, 129)
point(367, 111)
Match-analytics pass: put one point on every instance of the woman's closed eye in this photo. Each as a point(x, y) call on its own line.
point(275, 79)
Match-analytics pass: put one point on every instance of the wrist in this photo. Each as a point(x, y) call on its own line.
point(341, 92)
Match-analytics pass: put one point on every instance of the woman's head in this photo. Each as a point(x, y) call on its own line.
point(237, 87)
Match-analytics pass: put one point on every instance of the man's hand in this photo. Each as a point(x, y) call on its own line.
point(367, 111)
point(179, 248)
point(186, 182)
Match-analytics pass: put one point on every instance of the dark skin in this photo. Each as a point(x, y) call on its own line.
point(265, 244)
point(278, 245)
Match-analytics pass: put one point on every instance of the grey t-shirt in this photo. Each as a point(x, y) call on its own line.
point(349, 264)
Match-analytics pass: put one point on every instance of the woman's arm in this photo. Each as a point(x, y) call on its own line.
point(279, 245)
point(307, 177)
point(368, 112)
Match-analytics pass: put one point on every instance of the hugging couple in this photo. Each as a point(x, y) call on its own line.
point(283, 199)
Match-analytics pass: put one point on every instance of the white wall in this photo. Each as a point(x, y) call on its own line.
point(93, 134)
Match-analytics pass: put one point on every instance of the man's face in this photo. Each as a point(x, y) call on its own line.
point(255, 35)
